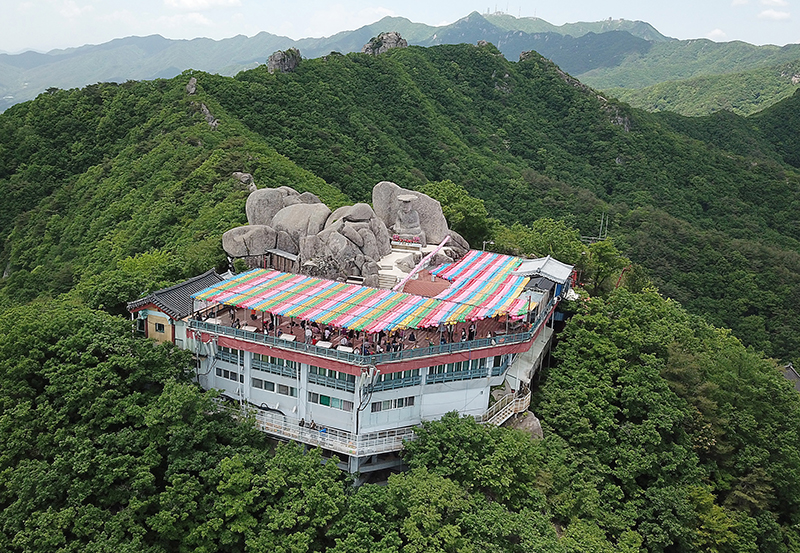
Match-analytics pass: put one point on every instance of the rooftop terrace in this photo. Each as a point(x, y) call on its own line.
point(482, 286)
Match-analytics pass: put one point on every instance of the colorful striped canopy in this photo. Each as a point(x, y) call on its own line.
point(482, 287)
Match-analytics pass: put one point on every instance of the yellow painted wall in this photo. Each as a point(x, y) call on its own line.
point(165, 336)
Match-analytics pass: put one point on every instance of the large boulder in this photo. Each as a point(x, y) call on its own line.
point(300, 220)
point(263, 204)
point(458, 244)
point(284, 242)
point(355, 213)
point(308, 198)
point(284, 62)
point(384, 42)
point(248, 240)
point(244, 178)
point(387, 206)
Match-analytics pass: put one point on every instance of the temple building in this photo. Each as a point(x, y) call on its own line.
point(353, 368)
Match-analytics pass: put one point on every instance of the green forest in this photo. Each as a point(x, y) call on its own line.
point(743, 93)
point(668, 425)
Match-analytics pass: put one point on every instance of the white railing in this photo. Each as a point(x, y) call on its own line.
point(373, 443)
point(331, 438)
point(508, 406)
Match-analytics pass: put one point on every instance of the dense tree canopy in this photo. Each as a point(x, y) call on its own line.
point(662, 432)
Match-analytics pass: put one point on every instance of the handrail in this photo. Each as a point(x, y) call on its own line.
point(374, 359)
point(372, 443)
point(502, 410)
point(331, 438)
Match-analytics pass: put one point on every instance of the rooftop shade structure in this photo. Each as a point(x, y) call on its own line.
point(483, 286)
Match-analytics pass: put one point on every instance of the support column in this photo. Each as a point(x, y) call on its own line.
point(247, 360)
point(302, 391)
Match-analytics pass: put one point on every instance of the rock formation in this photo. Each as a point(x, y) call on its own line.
point(345, 243)
point(244, 178)
point(212, 121)
point(191, 86)
point(383, 42)
point(284, 62)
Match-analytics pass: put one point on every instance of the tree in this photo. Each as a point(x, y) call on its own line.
point(465, 215)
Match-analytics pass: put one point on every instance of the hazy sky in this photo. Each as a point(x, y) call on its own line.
point(48, 24)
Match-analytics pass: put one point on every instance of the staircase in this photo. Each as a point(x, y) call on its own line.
point(386, 281)
point(508, 406)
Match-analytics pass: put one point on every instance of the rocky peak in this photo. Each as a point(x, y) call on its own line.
point(284, 62)
point(383, 42)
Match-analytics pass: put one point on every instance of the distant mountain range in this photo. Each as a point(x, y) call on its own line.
point(610, 54)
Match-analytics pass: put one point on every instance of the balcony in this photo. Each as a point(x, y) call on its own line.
point(373, 443)
point(332, 439)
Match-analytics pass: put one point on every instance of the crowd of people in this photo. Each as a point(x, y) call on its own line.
point(363, 343)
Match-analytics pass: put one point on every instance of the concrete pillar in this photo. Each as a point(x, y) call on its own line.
point(302, 391)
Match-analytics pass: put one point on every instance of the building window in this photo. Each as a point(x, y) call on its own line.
point(160, 327)
point(263, 384)
point(399, 403)
point(400, 375)
point(331, 378)
point(328, 401)
point(230, 375)
point(287, 390)
point(275, 365)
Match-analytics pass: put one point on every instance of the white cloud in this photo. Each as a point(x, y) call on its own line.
point(716, 34)
point(195, 5)
point(123, 16)
point(774, 15)
point(781, 3)
point(71, 10)
point(179, 21)
point(336, 18)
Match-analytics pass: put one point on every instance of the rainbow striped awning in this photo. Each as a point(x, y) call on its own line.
point(482, 287)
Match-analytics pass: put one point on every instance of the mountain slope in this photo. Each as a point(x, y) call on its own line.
point(742, 93)
point(684, 59)
point(93, 177)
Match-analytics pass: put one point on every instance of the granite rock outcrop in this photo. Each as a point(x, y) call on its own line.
point(348, 242)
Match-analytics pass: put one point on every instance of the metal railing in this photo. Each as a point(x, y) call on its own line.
point(331, 382)
point(452, 376)
point(374, 359)
point(373, 443)
point(335, 440)
point(280, 370)
point(505, 408)
point(395, 383)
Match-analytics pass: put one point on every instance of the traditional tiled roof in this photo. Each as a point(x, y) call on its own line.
point(176, 301)
point(482, 287)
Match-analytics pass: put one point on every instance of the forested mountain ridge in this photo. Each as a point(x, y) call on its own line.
point(715, 225)
point(743, 93)
point(607, 55)
point(662, 433)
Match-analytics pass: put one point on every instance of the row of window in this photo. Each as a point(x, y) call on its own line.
point(458, 366)
point(329, 401)
point(272, 387)
point(230, 375)
point(275, 360)
point(398, 375)
point(330, 373)
point(399, 403)
point(336, 379)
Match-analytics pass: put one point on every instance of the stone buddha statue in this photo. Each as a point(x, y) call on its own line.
point(407, 225)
